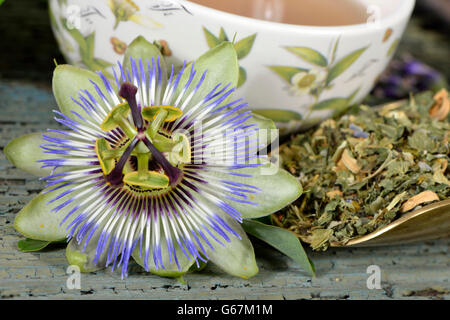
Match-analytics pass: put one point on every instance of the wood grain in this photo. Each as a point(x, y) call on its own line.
point(416, 271)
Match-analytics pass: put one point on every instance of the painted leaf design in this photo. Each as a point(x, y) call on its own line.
point(78, 37)
point(102, 63)
point(334, 51)
point(331, 104)
point(242, 76)
point(90, 44)
point(282, 240)
point(342, 65)
point(309, 55)
point(278, 115)
point(287, 72)
point(222, 35)
point(211, 39)
point(31, 245)
point(393, 47)
point(244, 46)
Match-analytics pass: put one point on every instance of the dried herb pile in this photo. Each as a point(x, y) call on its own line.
point(364, 170)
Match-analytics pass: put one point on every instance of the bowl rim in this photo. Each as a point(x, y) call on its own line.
point(401, 13)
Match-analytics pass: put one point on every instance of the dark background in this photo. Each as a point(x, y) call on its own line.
point(28, 46)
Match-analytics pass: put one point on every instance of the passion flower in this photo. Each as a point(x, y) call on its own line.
point(157, 166)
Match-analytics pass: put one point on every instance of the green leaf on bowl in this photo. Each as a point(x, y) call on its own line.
point(331, 104)
point(342, 65)
point(78, 37)
point(31, 245)
point(90, 46)
point(211, 39)
point(281, 239)
point(244, 46)
point(287, 72)
point(278, 115)
point(142, 49)
point(334, 51)
point(222, 67)
point(309, 55)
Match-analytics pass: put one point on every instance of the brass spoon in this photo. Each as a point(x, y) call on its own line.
point(428, 223)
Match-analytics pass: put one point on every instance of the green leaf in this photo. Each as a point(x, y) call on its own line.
point(393, 47)
point(140, 48)
point(309, 55)
point(244, 46)
point(31, 245)
point(211, 39)
point(235, 257)
point(277, 187)
point(282, 240)
point(242, 76)
point(353, 95)
point(222, 66)
point(67, 81)
point(331, 104)
point(342, 65)
point(222, 35)
point(278, 115)
point(90, 46)
point(23, 152)
point(170, 269)
point(38, 222)
point(287, 72)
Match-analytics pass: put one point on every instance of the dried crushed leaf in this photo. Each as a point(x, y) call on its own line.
point(423, 197)
point(364, 170)
point(441, 106)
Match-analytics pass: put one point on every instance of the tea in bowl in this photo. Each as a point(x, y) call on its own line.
point(300, 60)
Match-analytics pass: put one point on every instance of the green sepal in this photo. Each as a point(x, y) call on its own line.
point(282, 187)
point(68, 81)
point(142, 49)
point(266, 124)
point(25, 151)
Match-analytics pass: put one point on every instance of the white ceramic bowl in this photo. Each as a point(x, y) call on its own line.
point(310, 70)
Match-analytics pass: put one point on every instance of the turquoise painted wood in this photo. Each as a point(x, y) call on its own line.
point(415, 271)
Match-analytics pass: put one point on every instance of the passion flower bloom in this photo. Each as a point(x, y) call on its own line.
point(157, 166)
point(306, 81)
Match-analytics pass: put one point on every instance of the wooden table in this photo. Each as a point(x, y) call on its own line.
point(416, 271)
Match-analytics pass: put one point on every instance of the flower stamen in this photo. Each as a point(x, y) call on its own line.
point(128, 92)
